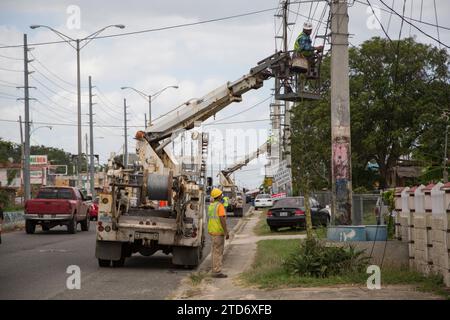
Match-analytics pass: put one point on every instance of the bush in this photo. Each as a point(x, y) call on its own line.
point(314, 259)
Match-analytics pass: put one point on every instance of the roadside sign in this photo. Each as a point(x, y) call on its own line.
point(38, 160)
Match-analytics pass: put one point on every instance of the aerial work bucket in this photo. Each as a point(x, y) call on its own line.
point(299, 64)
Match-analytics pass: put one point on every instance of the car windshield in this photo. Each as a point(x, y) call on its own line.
point(263, 196)
point(55, 194)
point(289, 203)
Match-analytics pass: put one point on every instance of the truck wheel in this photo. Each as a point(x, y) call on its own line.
point(45, 228)
point(72, 226)
point(104, 263)
point(30, 226)
point(118, 263)
point(85, 224)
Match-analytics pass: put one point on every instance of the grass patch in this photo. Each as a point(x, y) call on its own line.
point(197, 277)
point(262, 228)
point(269, 272)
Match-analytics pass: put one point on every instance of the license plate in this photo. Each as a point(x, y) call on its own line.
point(44, 216)
point(146, 235)
point(283, 214)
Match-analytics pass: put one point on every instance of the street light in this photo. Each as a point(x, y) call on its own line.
point(149, 98)
point(50, 127)
point(69, 40)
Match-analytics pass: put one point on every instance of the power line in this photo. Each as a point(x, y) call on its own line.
point(391, 10)
point(52, 73)
point(11, 58)
point(10, 70)
point(421, 31)
point(153, 29)
point(243, 111)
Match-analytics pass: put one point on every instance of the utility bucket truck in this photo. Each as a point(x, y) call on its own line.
point(124, 226)
point(229, 189)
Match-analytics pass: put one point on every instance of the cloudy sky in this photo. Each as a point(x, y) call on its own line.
point(197, 58)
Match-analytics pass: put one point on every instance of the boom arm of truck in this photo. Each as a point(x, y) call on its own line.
point(225, 175)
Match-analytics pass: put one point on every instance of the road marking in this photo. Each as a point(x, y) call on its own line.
point(53, 250)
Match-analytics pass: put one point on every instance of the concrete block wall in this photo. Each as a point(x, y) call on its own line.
point(424, 224)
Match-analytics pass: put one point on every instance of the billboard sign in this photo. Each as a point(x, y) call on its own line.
point(36, 160)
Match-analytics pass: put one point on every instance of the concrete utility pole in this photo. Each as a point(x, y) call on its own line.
point(341, 168)
point(26, 168)
point(145, 118)
point(91, 142)
point(21, 151)
point(125, 150)
point(78, 112)
point(445, 172)
point(287, 107)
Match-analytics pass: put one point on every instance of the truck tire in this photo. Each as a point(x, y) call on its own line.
point(118, 263)
point(30, 227)
point(104, 263)
point(72, 225)
point(85, 224)
point(45, 228)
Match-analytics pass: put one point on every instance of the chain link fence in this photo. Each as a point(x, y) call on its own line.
point(367, 209)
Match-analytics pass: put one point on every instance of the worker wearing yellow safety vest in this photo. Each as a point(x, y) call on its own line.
point(217, 228)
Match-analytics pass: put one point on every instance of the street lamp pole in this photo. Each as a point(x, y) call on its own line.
point(149, 97)
point(77, 48)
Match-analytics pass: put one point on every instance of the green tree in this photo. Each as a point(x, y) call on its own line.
point(397, 105)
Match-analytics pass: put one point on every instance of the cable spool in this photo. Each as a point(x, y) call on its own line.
point(159, 187)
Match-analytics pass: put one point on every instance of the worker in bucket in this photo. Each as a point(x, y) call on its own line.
point(303, 45)
point(217, 228)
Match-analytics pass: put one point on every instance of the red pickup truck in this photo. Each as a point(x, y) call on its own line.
point(57, 206)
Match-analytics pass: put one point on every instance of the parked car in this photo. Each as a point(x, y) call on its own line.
point(57, 206)
point(290, 212)
point(263, 201)
point(93, 210)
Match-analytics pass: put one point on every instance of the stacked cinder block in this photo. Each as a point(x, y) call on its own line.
point(440, 227)
point(423, 221)
point(420, 231)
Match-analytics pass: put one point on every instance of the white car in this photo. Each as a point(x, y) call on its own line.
point(263, 201)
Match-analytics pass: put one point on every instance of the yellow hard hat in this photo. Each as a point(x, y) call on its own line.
point(216, 193)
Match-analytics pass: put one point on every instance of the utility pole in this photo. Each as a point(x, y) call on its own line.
point(341, 168)
point(79, 112)
point(445, 173)
point(26, 168)
point(91, 142)
point(21, 152)
point(145, 116)
point(125, 151)
point(287, 107)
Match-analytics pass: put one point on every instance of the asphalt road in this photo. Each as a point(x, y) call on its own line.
point(34, 267)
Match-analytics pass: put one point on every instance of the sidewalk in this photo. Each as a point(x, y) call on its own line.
point(239, 254)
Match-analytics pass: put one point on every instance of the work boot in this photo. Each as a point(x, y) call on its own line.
point(219, 275)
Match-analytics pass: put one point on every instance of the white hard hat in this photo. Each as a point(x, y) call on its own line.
point(307, 26)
